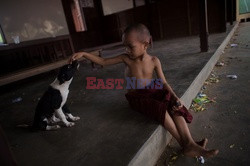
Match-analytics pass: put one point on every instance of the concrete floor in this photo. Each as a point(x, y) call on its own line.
point(109, 132)
point(226, 122)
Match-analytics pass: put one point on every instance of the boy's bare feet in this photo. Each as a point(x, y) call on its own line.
point(202, 143)
point(193, 150)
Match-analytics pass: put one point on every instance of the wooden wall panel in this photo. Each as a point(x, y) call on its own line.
point(216, 16)
point(165, 19)
point(94, 34)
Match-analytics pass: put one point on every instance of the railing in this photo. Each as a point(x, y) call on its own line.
point(30, 54)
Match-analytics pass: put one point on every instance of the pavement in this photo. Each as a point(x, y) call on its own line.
point(225, 122)
point(109, 132)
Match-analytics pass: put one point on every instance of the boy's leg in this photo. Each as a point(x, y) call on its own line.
point(171, 127)
point(190, 147)
point(183, 130)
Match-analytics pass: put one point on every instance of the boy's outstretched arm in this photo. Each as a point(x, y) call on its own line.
point(97, 59)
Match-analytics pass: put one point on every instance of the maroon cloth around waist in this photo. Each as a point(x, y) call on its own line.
point(154, 103)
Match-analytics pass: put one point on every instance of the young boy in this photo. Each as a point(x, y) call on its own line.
point(160, 104)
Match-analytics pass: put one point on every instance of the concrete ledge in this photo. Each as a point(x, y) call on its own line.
point(154, 146)
point(196, 85)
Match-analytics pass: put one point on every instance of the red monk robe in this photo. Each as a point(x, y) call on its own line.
point(154, 103)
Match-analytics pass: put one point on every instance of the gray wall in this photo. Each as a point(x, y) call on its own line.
point(32, 19)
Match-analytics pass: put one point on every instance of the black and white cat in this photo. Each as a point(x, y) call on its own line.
point(52, 107)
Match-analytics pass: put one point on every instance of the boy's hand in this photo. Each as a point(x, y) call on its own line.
point(75, 56)
point(178, 105)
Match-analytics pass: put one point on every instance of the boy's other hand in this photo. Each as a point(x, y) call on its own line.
point(178, 105)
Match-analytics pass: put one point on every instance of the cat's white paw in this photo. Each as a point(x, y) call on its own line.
point(69, 124)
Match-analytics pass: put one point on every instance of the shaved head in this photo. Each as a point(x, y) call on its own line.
point(141, 31)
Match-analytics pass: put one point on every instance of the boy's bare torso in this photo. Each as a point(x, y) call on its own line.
point(140, 68)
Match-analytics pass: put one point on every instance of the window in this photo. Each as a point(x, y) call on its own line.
point(115, 6)
point(2, 38)
point(87, 3)
point(244, 6)
point(139, 3)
